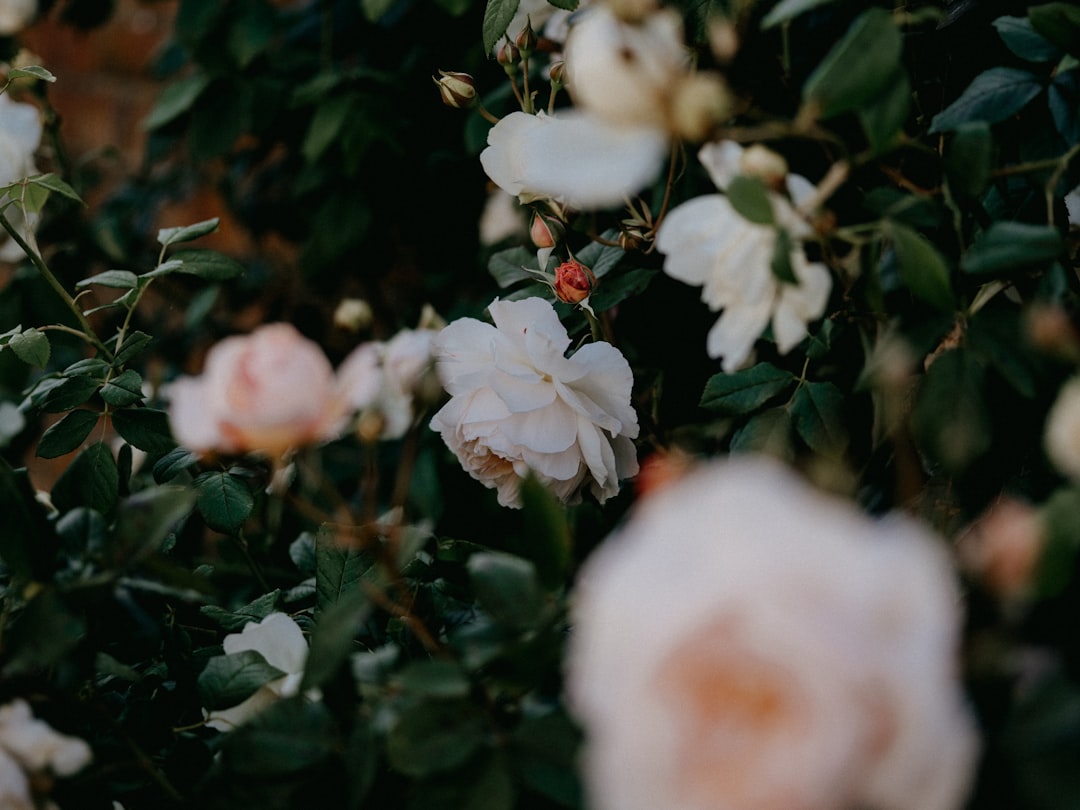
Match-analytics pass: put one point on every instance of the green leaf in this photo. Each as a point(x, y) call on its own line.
point(1020, 37)
point(186, 233)
point(993, 96)
point(145, 428)
point(508, 267)
point(173, 463)
point(20, 535)
point(1064, 100)
point(780, 263)
point(176, 99)
point(546, 538)
point(950, 418)
point(89, 367)
point(858, 68)
point(338, 569)
point(252, 31)
point(233, 621)
point(1059, 23)
point(922, 268)
point(433, 736)
point(68, 394)
point(375, 10)
point(123, 390)
point(746, 390)
point(969, 159)
point(32, 347)
point(545, 752)
point(229, 680)
point(817, 412)
point(566, 5)
point(208, 264)
point(435, 679)
point(788, 10)
point(883, 119)
point(92, 480)
point(507, 588)
point(31, 72)
point(132, 345)
point(119, 279)
point(620, 286)
point(224, 501)
point(1006, 246)
point(145, 520)
point(497, 17)
point(45, 633)
point(767, 432)
point(326, 124)
point(286, 738)
point(334, 636)
point(67, 434)
point(53, 183)
point(750, 198)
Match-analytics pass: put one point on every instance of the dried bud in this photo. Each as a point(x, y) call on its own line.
point(557, 74)
point(353, 314)
point(699, 103)
point(574, 282)
point(546, 231)
point(526, 39)
point(509, 56)
point(764, 164)
point(632, 238)
point(458, 89)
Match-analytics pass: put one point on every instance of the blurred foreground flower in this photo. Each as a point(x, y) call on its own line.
point(30, 749)
point(20, 136)
point(746, 643)
point(1062, 438)
point(15, 15)
point(708, 243)
point(279, 640)
point(518, 403)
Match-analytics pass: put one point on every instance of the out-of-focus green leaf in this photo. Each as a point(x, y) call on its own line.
point(333, 638)
point(768, 432)
point(1059, 23)
point(46, 631)
point(176, 99)
point(508, 267)
point(433, 736)
point(950, 417)
point(883, 118)
point(145, 519)
point(325, 128)
point(1020, 36)
point(288, 737)
point(117, 279)
point(1006, 246)
point(187, 233)
point(789, 9)
point(546, 537)
point(994, 95)
point(507, 588)
point(235, 620)
point(968, 160)
point(922, 268)
point(750, 198)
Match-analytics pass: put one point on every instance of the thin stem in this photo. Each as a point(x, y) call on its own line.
point(58, 288)
point(1055, 178)
point(491, 119)
point(528, 101)
point(242, 544)
point(667, 188)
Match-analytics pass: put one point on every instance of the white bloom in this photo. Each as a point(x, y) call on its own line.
point(708, 243)
point(501, 219)
point(29, 745)
point(1072, 206)
point(281, 642)
point(518, 403)
point(575, 159)
point(20, 136)
point(747, 643)
point(15, 15)
point(1062, 437)
point(14, 785)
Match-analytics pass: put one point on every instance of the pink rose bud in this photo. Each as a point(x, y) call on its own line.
point(526, 39)
point(546, 231)
point(557, 74)
point(574, 282)
point(508, 57)
point(458, 90)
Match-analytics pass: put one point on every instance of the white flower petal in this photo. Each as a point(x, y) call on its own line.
point(277, 638)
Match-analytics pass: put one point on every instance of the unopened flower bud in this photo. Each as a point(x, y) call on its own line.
point(631, 238)
point(557, 74)
point(546, 231)
point(526, 39)
point(723, 39)
point(508, 57)
point(1050, 329)
point(458, 89)
point(353, 314)
point(574, 282)
point(370, 426)
point(764, 164)
point(700, 102)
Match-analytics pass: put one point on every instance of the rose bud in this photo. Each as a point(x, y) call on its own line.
point(546, 231)
point(526, 39)
point(574, 282)
point(557, 74)
point(508, 57)
point(458, 89)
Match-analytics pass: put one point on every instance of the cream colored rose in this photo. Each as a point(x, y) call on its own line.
point(20, 136)
point(31, 747)
point(519, 403)
point(279, 640)
point(15, 15)
point(267, 392)
point(1062, 436)
point(746, 643)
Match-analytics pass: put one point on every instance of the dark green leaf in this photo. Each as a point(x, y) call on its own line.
point(233, 621)
point(994, 95)
point(790, 9)
point(545, 751)
point(767, 432)
point(334, 636)
point(922, 268)
point(208, 264)
point(123, 390)
point(90, 367)
point(620, 286)
point(176, 99)
point(1022, 39)
point(1061, 518)
point(229, 680)
point(67, 434)
point(508, 267)
point(32, 347)
point(600, 258)
point(566, 5)
point(950, 417)
point(433, 736)
point(119, 279)
point(173, 463)
point(325, 128)
point(744, 391)
point(497, 17)
point(750, 198)
point(145, 520)
point(1006, 246)
point(883, 119)
point(375, 10)
point(46, 631)
point(31, 72)
point(969, 159)
point(132, 345)
point(252, 31)
point(338, 569)
point(166, 268)
point(16, 502)
point(53, 183)
point(145, 428)
point(507, 588)
point(224, 501)
point(858, 68)
point(1064, 101)
point(1059, 23)
point(92, 480)
point(546, 538)
point(817, 412)
point(286, 738)
point(435, 679)
point(780, 264)
point(186, 233)
point(69, 393)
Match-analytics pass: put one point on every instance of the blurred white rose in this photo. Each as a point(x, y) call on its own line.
point(15, 15)
point(20, 136)
point(29, 746)
point(1062, 436)
point(708, 243)
point(279, 640)
point(747, 643)
point(268, 392)
point(519, 403)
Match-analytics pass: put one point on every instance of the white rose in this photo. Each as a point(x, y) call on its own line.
point(279, 640)
point(14, 785)
point(747, 643)
point(20, 136)
point(266, 392)
point(707, 242)
point(15, 15)
point(36, 746)
point(519, 403)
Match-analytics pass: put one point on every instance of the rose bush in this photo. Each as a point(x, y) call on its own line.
point(518, 403)
point(804, 657)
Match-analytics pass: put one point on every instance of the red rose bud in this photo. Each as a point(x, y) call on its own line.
point(526, 39)
point(574, 282)
point(546, 231)
point(458, 89)
point(508, 57)
point(557, 74)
